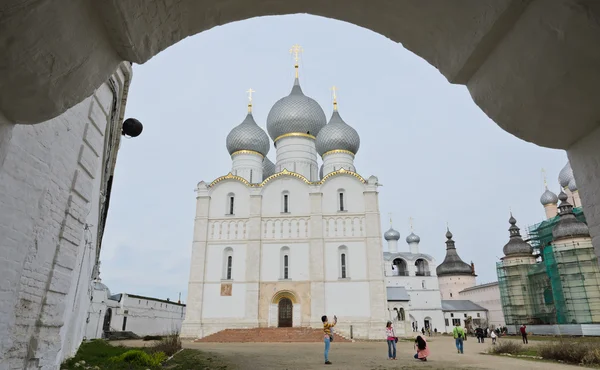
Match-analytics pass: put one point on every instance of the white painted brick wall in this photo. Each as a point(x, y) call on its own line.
point(51, 175)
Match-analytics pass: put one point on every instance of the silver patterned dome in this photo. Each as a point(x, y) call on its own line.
point(568, 225)
point(337, 135)
point(548, 197)
point(268, 168)
point(295, 113)
point(516, 246)
point(391, 234)
point(565, 175)
point(248, 136)
point(413, 238)
point(453, 264)
point(572, 185)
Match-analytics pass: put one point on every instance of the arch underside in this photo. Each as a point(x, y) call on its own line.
point(60, 52)
point(284, 294)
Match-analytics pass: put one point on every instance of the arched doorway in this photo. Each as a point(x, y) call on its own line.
point(285, 313)
point(107, 319)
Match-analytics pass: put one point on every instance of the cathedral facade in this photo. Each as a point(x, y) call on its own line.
point(281, 243)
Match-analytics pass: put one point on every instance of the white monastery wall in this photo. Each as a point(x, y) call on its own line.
point(215, 271)
point(487, 296)
point(298, 198)
point(147, 316)
point(348, 300)
point(355, 260)
point(50, 180)
point(451, 286)
point(219, 201)
point(216, 306)
point(354, 198)
point(462, 315)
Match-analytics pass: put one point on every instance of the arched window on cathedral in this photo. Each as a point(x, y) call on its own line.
point(285, 263)
point(343, 262)
point(341, 200)
point(227, 263)
point(285, 202)
point(422, 267)
point(230, 203)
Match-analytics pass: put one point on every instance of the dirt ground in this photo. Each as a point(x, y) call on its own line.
point(362, 355)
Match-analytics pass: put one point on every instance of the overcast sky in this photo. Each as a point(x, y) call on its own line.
point(439, 157)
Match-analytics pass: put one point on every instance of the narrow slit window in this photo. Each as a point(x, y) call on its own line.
point(231, 201)
point(342, 202)
point(343, 261)
point(229, 263)
point(250, 176)
point(286, 267)
point(285, 203)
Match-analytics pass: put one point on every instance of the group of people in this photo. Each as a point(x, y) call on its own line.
point(421, 348)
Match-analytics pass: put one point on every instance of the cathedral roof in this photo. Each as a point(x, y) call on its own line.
point(516, 246)
point(337, 135)
point(248, 136)
point(453, 264)
point(268, 168)
point(295, 113)
point(568, 225)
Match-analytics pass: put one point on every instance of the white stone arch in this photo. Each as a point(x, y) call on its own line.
point(228, 263)
point(399, 267)
point(422, 267)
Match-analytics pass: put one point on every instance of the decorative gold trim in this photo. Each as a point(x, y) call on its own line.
point(294, 134)
point(246, 152)
point(229, 176)
point(338, 151)
point(285, 172)
point(342, 171)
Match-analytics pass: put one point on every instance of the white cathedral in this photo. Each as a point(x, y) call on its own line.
point(281, 244)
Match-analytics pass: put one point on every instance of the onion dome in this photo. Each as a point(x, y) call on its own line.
point(321, 172)
point(516, 246)
point(98, 285)
point(572, 185)
point(453, 264)
point(565, 175)
point(568, 225)
point(295, 113)
point(391, 234)
point(268, 168)
point(337, 135)
point(548, 197)
point(413, 238)
point(248, 136)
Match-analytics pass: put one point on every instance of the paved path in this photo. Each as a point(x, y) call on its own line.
point(364, 355)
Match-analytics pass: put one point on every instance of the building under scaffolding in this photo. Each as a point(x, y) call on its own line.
point(553, 279)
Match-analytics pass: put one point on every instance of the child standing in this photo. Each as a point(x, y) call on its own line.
point(493, 336)
point(328, 336)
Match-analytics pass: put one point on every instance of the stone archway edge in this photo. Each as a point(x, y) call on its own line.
point(518, 58)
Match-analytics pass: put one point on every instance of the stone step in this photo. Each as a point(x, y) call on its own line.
point(283, 335)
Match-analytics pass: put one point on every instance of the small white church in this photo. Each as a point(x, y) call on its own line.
point(279, 244)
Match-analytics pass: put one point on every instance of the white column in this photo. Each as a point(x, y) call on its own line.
point(336, 159)
point(298, 154)
point(414, 247)
point(585, 161)
point(576, 199)
point(247, 164)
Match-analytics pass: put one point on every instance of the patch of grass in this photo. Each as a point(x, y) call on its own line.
point(138, 357)
point(95, 353)
point(571, 352)
point(168, 345)
point(190, 359)
point(509, 347)
point(553, 338)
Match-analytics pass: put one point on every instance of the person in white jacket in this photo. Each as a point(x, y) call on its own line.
point(493, 336)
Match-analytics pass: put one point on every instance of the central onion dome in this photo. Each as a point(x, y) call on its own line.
point(413, 238)
point(565, 175)
point(391, 234)
point(268, 168)
point(295, 113)
point(337, 135)
point(453, 264)
point(548, 197)
point(572, 185)
point(516, 246)
point(248, 136)
point(568, 225)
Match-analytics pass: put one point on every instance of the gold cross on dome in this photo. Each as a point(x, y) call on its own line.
point(334, 94)
point(250, 91)
point(296, 50)
point(390, 216)
point(544, 176)
point(410, 221)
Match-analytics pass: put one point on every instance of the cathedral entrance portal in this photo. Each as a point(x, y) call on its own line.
point(285, 313)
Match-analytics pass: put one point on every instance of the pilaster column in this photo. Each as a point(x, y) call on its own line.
point(317, 259)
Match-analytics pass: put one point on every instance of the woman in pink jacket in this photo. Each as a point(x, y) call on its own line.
point(422, 348)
